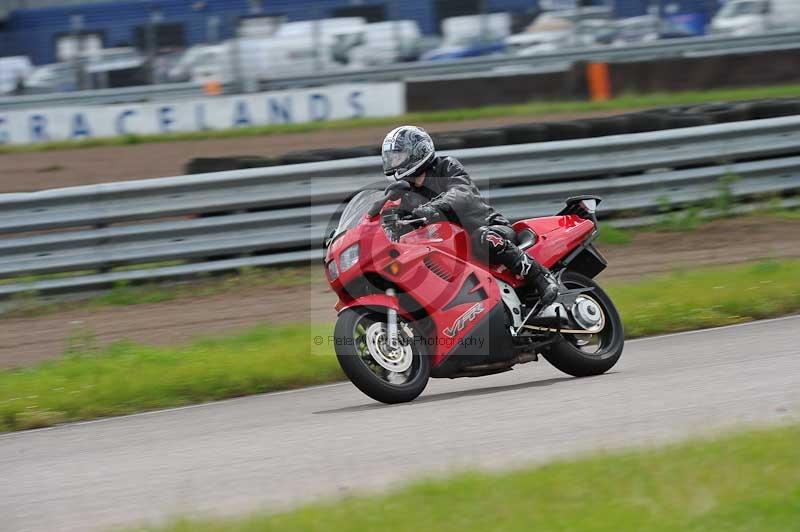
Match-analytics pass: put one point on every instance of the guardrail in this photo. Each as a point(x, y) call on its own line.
point(93, 236)
point(541, 62)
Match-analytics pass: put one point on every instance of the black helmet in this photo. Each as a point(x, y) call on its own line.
point(407, 152)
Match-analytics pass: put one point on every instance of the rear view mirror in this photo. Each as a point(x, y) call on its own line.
point(589, 205)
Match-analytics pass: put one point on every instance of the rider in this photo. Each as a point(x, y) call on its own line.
point(442, 190)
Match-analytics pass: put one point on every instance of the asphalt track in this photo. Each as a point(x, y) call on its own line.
point(276, 450)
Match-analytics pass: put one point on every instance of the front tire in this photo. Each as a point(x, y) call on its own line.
point(587, 355)
point(360, 336)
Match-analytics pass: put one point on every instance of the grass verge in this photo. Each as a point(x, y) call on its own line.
point(95, 381)
point(708, 297)
point(92, 381)
point(744, 482)
point(623, 103)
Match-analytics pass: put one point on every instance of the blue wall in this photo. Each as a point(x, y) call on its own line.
point(635, 8)
point(34, 32)
point(630, 8)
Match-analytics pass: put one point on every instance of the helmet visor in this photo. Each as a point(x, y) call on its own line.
point(395, 161)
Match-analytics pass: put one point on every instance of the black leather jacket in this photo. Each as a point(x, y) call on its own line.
point(449, 189)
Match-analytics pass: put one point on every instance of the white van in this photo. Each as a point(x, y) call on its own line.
point(200, 63)
point(469, 27)
point(13, 71)
point(250, 60)
point(548, 33)
point(323, 32)
point(296, 49)
point(124, 63)
point(747, 17)
point(383, 43)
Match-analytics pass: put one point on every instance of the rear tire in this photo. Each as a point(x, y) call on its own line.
point(567, 355)
point(365, 373)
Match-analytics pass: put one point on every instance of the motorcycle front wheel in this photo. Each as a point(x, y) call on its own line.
point(387, 375)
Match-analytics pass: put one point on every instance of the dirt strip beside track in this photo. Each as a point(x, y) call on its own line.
point(24, 341)
point(24, 172)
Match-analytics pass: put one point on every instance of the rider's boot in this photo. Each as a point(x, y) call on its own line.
point(536, 276)
point(540, 278)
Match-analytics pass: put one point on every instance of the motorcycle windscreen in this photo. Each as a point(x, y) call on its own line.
point(355, 210)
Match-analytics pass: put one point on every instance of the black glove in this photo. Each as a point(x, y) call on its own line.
point(396, 190)
point(431, 214)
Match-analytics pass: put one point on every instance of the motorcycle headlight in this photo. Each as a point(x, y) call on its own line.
point(348, 258)
point(333, 273)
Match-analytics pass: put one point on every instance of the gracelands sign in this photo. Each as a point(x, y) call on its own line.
point(202, 114)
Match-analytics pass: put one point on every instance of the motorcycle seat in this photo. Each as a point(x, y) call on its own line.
point(525, 239)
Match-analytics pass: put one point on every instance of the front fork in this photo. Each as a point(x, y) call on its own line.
point(391, 323)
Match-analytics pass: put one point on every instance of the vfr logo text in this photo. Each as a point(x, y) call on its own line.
point(463, 320)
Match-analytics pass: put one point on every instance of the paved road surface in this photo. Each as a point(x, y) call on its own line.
point(282, 449)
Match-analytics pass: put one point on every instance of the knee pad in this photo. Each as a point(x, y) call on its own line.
point(493, 239)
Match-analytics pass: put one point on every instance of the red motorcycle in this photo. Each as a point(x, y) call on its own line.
point(414, 303)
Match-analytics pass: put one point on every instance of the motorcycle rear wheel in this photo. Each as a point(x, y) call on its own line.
point(359, 333)
point(587, 355)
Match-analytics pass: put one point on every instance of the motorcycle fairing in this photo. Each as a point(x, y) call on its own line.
point(444, 236)
point(428, 264)
point(456, 295)
point(487, 341)
point(376, 301)
point(557, 236)
point(470, 292)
